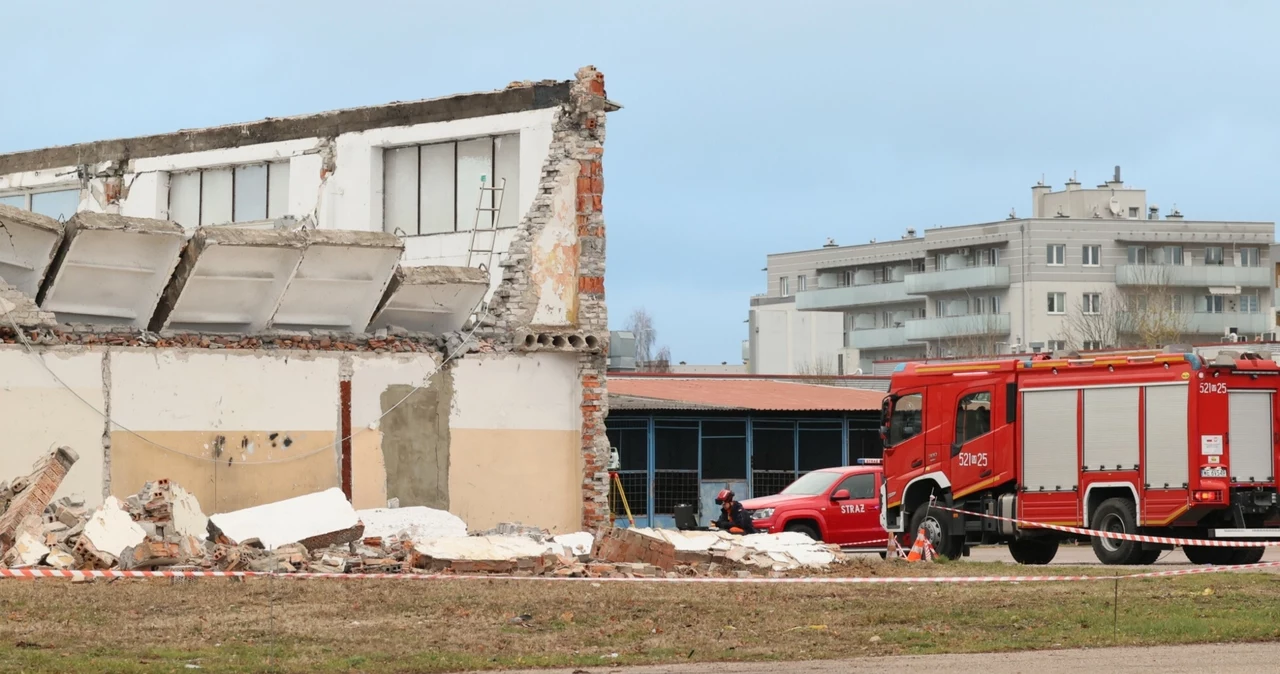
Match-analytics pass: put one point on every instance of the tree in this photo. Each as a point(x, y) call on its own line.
point(661, 362)
point(641, 325)
point(1144, 313)
point(1096, 322)
point(979, 335)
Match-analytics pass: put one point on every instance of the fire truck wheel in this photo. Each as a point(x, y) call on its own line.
point(1203, 554)
point(1149, 557)
point(1116, 515)
point(804, 529)
point(1033, 550)
point(1248, 555)
point(950, 547)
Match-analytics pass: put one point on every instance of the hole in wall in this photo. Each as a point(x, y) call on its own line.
point(559, 342)
point(575, 341)
point(544, 340)
point(592, 342)
point(530, 340)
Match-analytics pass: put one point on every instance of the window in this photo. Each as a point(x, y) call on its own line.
point(1137, 254)
point(58, 204)
point(1249, 257)
point(917, 266)
point(1056, 254)
point(907, 418)
point(811, 484)
point(1213, 255)
point(940, 308)
point(1057, 345)
point(993, 303)
point(801, 282)
point(1092, 345)
point(1092, 303)
point(430, 189)
point(1249, 304)
point(940, 262)
point(862, 486)
point(1171, 255)
point(225, 195)
point(973, 416)
point(1057, 303)
point(1133, 211)
point(1175, 303)
point(846, 278)
point(989, 257)
point(1092, 255)
point(784, 286)
point(1213, 304)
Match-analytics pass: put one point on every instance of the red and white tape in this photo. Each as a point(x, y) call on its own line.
point(1165, 540)
point(31, 574)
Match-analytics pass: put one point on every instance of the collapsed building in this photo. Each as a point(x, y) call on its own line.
point(405, 302)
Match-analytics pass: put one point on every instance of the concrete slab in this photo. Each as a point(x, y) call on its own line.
point(28, 242)
point(340, 281)
point(111, 269)
point(230, 280)
point(289, 521)
point(435, 300)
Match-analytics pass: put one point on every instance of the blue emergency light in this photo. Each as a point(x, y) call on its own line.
point(870, 462)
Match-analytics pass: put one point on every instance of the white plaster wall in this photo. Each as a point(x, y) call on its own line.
point(555, 254)
point(538, 391)
point(785, 340)
point(371, 375)
point(38, 415)
point(183, 391)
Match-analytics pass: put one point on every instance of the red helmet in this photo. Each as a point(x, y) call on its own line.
point(724, 496)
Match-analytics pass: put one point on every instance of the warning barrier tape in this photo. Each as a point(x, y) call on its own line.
point(1203, 542)
point(31, 574)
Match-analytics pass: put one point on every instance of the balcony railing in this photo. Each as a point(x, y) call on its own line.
point(969, 278)
point(830, 299)
point(1203, 323)
point(877, 338)
point(1198, 276)
point(950, 327)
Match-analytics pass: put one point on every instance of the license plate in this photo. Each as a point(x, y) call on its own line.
point(1213, 471)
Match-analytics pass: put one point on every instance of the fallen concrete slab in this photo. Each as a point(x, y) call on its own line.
point(30, 242)
point(111, 529)
point(416, 523)
point(111, 269)
point(339, 282)
point(316, 520)
point(435, 300)
point(229, 280)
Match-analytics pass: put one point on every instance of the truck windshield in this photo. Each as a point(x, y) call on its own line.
point(907, 418)
point(811, 484)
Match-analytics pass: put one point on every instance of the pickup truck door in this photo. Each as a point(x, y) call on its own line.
point(855, 511)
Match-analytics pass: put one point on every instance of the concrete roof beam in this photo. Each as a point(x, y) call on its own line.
point(435, 300)
point(339, 282)
point(28, 242)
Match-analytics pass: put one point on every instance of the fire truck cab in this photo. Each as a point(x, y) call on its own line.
point(1163, 444)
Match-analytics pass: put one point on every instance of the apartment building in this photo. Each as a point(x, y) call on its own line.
point(1091, 268)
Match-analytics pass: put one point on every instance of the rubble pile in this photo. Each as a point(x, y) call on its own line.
point(163, 527)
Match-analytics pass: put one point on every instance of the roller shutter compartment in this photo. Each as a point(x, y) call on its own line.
point(1111, 428)
point(1249, 442)
point(1050, 459)
point(1166, 457)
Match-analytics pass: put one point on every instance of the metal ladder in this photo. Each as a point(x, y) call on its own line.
point(474, 253)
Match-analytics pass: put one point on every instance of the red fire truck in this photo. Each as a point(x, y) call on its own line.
point(1163, 444)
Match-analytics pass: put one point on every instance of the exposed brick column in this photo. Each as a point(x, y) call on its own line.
point(27, 507)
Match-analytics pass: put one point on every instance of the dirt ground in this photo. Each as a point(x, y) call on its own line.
point(283, 625)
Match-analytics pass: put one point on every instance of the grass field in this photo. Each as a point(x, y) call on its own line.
point(283, 625)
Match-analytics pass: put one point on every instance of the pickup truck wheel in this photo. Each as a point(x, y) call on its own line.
point(1248, 555)
point(1033, 550)
point(944, 545)
point(805, 529)
point(1116, 515)
point(1204, 554)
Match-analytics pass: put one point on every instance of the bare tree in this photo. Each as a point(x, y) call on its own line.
point(1096, 324)
point(979, 336)
point(818, 368)
point(641, 325)
point(661, 362)
point(1153, 313)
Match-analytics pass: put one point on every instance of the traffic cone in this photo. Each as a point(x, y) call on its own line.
point(917, 548)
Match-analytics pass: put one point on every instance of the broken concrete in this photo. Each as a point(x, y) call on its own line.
point(30, 240)
point(26, 507)
point(317, 520)
point(435, 300)
point(339, 282)
point(111, 269)
point(17, 308)
point(111, 529)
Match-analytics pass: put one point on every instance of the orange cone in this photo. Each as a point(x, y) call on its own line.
point(917, 548)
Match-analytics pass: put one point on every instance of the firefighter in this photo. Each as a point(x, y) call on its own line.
point(733, 517)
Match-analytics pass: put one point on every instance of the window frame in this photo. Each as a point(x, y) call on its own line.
point(458, 208)
point(1091, 250)
point(234, 170)
point(1060, 249)
point(1222, 256)
point(784, 286)
point(1257, 256)
point(802, 282)
point(1091, 308)
point(849, 478)
point(1061, 304)
point(918, 413)
point(956, 442)
point(28, 196)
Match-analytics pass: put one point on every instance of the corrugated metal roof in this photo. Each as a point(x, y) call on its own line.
point(649, 392)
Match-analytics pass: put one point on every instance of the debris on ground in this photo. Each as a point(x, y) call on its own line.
point(164, 527)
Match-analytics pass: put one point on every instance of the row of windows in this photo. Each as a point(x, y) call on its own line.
point(1091, 255)
point(1091, 304)
point(57, 204)
point(973, 417)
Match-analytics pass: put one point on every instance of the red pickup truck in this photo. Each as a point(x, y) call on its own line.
point(833, 505)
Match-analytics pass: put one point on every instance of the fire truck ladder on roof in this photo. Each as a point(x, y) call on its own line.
point(489, 240)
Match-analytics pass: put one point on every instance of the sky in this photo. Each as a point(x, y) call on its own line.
point(748, 127)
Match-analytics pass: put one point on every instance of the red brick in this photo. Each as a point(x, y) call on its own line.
point(584, 185)
point(591, 284)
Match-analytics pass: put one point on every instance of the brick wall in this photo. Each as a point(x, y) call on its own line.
point(16, 306)
point(29, 504)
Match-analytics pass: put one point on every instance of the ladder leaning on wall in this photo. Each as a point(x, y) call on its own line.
point(488, 237)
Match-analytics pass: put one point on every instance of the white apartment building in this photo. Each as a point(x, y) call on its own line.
point(1090, 269)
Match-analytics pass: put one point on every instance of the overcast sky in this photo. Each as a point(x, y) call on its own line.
point(748, 127)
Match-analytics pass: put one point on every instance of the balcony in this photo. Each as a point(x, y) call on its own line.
point(968, 278)
point(951, 327)
point(878, 338)
point(835, 299)
point(1199, 276)
point(1202, 323)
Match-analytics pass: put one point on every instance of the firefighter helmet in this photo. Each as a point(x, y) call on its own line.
point(724, 496)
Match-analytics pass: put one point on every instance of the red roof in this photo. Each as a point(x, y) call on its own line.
point(746, 394)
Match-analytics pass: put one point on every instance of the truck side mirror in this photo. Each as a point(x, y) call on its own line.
point(840, 495)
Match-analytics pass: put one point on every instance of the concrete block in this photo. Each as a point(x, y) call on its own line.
point(435, 300)
point(339, 282)
point(31, 240)
point(111, 269)
point(111, 529)
point(310, 517)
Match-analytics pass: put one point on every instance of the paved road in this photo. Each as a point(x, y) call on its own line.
point(1217, 658)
